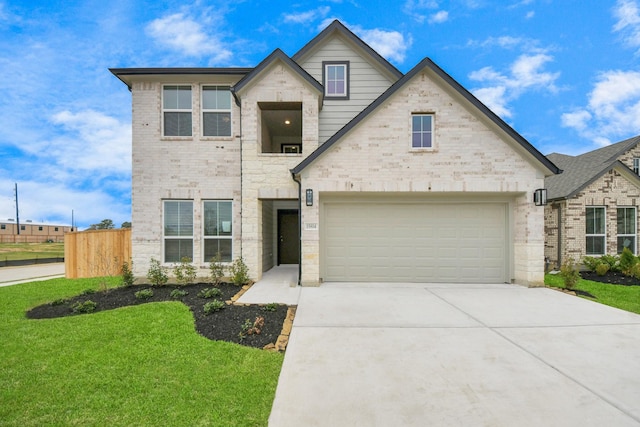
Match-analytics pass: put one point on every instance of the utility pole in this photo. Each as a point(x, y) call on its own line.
point(17, 211)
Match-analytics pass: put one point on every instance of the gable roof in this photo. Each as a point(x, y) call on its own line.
point(580, 171)
point(428, 64)
point(276, 55)
point(339, 28)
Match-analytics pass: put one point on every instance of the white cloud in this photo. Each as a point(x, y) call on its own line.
point(439, 17)
point(305, 17)
point(184, 35)
point(392, 45)
point(627, 13)
point(524, 74)
point(416, 8)
point(530, 14)
point(613, 108)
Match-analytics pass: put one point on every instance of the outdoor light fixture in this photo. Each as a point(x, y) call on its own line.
point(309, 197)
point(540, 197)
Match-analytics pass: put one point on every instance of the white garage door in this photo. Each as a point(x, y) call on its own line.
point(414, 242)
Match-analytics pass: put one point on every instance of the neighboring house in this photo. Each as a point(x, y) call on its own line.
point(31, 231)
point(592, 206)
point(334, 160)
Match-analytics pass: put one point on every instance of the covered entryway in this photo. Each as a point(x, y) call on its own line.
point(414, 241)
point(288, 231)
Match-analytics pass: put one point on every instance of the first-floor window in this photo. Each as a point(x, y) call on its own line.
point(626, 221)
point(218, 230)
point(595, 230)
point(178, 230)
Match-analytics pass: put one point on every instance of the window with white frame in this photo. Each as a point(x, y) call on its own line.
point(336, 80)
point(636, 165)
point(178, 230)
point(595, 230)
point(176, 110)
point(216, 111)
point(422, 130)
point(626, 222)
point(218, 230)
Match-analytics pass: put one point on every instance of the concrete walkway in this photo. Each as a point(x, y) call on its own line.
point(462, 355)
point(30, 273)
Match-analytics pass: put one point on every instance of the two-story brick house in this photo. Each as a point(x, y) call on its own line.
point(593, 204)
point(334, 160)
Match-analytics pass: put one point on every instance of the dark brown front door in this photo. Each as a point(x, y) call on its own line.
point(288, 237)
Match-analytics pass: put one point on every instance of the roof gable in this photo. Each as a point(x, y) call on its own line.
point(336, 27)
point(276, 55)
point(427, 64)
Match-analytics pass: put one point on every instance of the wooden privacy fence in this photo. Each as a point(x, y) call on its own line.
point(96, 253)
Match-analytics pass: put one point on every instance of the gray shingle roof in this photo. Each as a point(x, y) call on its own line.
point(580, 171)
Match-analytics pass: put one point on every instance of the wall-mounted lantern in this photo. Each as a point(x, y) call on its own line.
point(540, 197)
point(309, 199)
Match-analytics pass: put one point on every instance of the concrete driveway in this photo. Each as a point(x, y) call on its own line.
point(457, 355)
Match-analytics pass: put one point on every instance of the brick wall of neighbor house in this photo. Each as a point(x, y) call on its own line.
point(266, 176)
point(167, 168)
point(611, 190)
point(469, 159)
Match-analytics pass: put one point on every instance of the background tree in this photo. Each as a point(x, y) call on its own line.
point(126, 224)
point(105, 224)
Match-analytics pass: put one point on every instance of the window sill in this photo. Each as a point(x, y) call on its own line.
point(422, 150)
point(176, 138)
point(280, 154)
point(217, 138)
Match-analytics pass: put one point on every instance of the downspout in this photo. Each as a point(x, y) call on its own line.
point(293, 176)
point(559, 235)
point(239, 104)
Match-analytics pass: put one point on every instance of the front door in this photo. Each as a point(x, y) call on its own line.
point(288, 246)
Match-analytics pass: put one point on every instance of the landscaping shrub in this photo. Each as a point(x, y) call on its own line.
point(217, 269)
point(213, 306)
point(272, 306)
point(84, 307)
point(612, 260)
point(127, 274)
point(249, 328)
point(592, 263)
point(627, 261)
point(602, 269)
point(210, 293)
point(569, 273)
point(144, 294)
point(185, 271)
point(239, 272)
point(178, 293)
point(157, 274)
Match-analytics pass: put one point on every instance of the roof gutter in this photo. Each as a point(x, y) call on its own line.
point(293, 176)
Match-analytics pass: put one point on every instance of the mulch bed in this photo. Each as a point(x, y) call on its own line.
point(611, 277)
point(224, 325)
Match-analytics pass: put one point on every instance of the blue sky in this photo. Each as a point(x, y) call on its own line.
point(564, 73)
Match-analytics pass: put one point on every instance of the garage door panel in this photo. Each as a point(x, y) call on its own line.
point(414, 242)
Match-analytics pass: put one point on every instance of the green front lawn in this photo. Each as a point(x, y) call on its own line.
point(142, 365)
point(619, 296)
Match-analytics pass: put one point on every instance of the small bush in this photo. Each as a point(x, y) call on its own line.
point(570, 274)
point(213, 306)
point(239, 272)
point(602, 269)
point(592, 263)
point(210, 293)
point(156, 273)
point(217, 269)
point(178, 293)
point(612, 260)
point(635, 271)
point(272, 306)
point(185, 271)
point(60, 301)
point(627, 261)
point(127, 274)
point(88, 292)
point(84, 307)
point(144, 294)
point(249, 328)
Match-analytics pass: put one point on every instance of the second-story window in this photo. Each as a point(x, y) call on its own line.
point(336, 79)
point(176, 109)
point(216, 111)
point(636, 165)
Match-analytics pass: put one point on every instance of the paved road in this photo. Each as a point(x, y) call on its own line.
point(30, 273)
